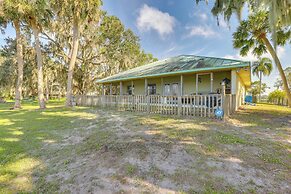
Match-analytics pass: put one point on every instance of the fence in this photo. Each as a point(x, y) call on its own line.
point(192, 105)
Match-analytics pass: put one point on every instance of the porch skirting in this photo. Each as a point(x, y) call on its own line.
point(192, 105)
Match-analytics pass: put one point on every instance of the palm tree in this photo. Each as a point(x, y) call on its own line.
point(10, 13)
point(278, 11)
point(79, 13)
point(251, 35)
point(262, 67)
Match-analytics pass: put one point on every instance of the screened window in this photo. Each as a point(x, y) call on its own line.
point(152, 89)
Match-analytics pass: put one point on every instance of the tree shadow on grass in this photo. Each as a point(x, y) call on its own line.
point(22, 134)
point(167, 153)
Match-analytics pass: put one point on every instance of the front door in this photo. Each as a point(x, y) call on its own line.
point(175, 89)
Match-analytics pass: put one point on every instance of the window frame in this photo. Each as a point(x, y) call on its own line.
point(152, 89)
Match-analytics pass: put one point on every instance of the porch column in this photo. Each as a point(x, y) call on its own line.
point(146, 94)
point(121, 90)
point(146, 86)
point(162, 86)
point(132, 89)
point(234, 89)
point(110, 90)
point(223, 101)
point(103, 96)
point(180, 96)
point(211, 82)
point(103, 90)
point(181, 86)
point(197, 83)
point(233, 81)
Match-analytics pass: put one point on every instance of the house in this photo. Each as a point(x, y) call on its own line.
point(187, 76)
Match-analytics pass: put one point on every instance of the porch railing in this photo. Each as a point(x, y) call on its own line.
point(192, 105)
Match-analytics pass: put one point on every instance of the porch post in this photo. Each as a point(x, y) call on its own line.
point(181, 86)
point(146, 86)
point(121, 90)
point(103, 96)
point(162, 86)
point(180, 96)
point(120, 96)
point(146, 94)
point(211, 82)
point(223, 100)
point(197, 84)
point(234, 88)
point(103, 90)
point(110, 91)
point(233, 81)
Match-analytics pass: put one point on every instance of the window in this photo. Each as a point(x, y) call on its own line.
point(175, 89)
point(167, 90)
point(152, 89)
point(130, 90)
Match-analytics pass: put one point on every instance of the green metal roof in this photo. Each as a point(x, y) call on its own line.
point(176, 65)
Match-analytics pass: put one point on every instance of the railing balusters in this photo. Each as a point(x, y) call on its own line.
point(192, 105)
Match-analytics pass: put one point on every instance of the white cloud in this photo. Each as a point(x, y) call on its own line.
point(205, 31)
point(151, 18)
point(222, 23)
point(202, 16)
point(280, 51)
point(199, 15)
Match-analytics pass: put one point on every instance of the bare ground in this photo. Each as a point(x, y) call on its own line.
point(123, 152)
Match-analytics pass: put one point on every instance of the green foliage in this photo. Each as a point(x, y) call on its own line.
point(252, 35)
point(248, 35)
point(263, 66)
point(130, 169)
point(278, 14)
point(276, 96)
point(230, 139)
point(255, 88)
point(279, 84)
point(8, 74)
point(106, 47)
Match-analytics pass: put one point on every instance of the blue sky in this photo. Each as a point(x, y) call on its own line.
point(169, 28)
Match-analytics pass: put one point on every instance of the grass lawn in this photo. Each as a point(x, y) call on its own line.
point(89, 150)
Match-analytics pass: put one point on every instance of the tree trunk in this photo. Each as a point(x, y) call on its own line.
point(279, 66)
point(41, 99)
point(260, 87)
point(47, 91)
point(18, 88)
point(72, 62)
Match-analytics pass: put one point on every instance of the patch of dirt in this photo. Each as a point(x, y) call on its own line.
point(135, 161)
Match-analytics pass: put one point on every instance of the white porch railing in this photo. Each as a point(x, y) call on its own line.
point(192, 105)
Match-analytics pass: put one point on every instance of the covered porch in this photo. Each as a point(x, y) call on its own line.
point(202, 83)
point(195, 94)
point(178, 85)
